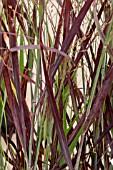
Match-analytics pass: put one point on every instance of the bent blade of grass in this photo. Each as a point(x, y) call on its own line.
point(31, 47)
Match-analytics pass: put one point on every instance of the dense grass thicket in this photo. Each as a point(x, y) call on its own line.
point(56, 84)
